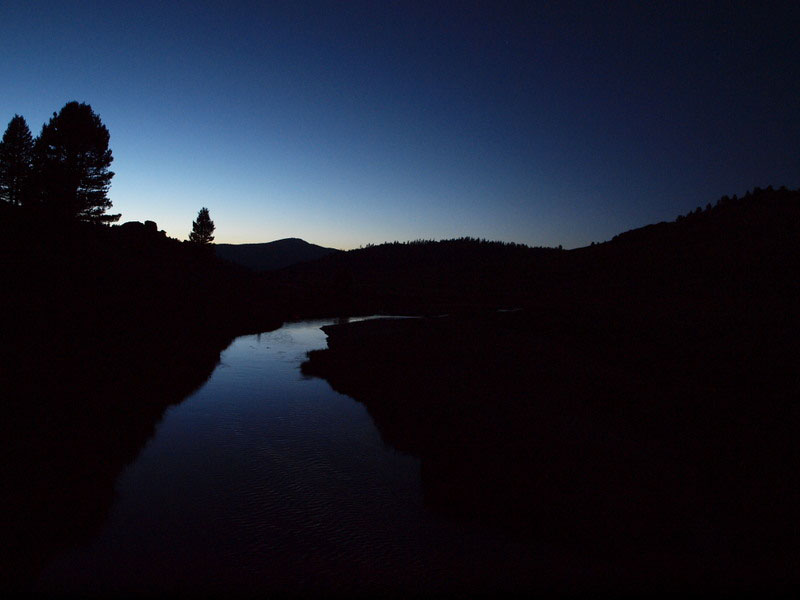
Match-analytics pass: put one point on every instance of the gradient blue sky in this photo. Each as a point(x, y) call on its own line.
point(347, 123)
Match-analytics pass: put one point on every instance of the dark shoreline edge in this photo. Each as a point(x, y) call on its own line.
point(664, 472)
point(68, 437)
point(102, 330)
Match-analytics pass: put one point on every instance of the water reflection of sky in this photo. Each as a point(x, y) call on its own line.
point(266, 479)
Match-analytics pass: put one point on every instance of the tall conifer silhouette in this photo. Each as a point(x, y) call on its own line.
point(73, 158)
point(202, 228)
point(16, 161)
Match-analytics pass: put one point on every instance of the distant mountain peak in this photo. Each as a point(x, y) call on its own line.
point(277, 254)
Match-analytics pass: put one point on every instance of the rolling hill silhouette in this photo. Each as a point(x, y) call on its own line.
point(641, 404)
point(639, 409)
point(272, 255)
point(740, 245)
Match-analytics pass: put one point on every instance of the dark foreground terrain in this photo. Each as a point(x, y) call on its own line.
point(639, 406)
point(642, 410)
point(667, 464)
point(102, 329)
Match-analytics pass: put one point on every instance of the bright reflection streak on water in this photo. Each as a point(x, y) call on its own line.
point(265, 479)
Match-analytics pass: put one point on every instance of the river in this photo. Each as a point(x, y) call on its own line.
point(267, 480)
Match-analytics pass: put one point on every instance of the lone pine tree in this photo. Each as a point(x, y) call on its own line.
point(202, 228)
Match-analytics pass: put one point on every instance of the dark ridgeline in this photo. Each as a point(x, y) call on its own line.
point(419, 277)
point(640, 412)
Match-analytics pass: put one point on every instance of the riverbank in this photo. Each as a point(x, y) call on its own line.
point(103, 329)
point(659, 452)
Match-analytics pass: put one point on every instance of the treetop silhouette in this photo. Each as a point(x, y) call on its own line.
point(202, 228)
point(16, 161)
point(73, 159)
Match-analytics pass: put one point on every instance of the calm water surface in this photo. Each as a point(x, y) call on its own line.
point(265, 479)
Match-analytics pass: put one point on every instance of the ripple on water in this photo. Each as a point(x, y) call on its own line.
point(267, 479)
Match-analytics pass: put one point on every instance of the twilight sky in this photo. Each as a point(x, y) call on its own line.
point(347, 123)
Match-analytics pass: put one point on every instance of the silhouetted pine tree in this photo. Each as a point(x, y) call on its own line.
point(16, 156)
point(72, 159)
point(202, 228)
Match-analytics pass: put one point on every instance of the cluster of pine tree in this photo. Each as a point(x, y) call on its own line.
point(64, 171)
point(757, 196)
